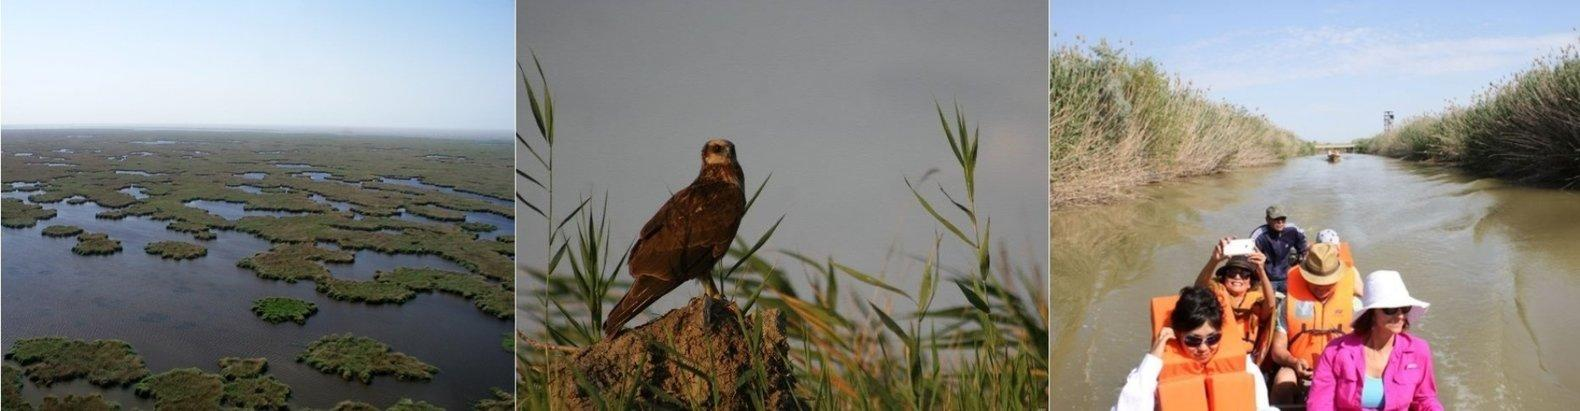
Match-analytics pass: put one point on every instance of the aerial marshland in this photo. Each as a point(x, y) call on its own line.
point(241, 230)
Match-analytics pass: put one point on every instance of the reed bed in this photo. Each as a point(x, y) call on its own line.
point(1115, 122)
point(848, 351)
point(1525, 128)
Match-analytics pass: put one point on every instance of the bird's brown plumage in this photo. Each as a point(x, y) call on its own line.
point(687, 236)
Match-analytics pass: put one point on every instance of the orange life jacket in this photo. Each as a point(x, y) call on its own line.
point(1220, 384)
point(1243, 314)
point(1344, 254)
point(1309, 332)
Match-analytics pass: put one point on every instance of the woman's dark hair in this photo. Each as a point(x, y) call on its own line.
point(1363, 325)
point(1196, 306)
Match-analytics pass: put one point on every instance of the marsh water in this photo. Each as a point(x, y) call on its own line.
point(192, 313)
point(417, 182)
point(1499, 263)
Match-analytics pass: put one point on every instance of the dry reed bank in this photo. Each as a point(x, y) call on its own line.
point(1525, 129)
point(1116, 122)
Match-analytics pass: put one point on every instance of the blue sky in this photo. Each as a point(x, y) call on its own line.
point(272, 63)
point(1327, 70)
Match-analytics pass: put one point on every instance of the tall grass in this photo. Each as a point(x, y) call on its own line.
point(1525, 129)
point(849, 349)
point(1115, 123)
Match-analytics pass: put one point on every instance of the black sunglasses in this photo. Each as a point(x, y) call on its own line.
point(1236, 273)
point(1194, 341)
point(1395, 310)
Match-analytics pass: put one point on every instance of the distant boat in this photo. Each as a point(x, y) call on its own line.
point(1333, 157)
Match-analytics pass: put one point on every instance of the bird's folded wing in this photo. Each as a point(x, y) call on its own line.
point(691, 231)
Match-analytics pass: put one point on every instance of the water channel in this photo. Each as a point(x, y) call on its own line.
point(1499, 263)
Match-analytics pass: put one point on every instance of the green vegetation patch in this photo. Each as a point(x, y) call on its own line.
point(11, 397)
point(487, 296)
point(61, 231)
point(502, 401)
point(89, 185)
point(233, 367)
point(198, 231)
point(247, 387)
point(445, 240)
point(74, 402)
point(183, 389)
point(407, 404)
point(281, 309)
point(354, 406)
point(96, 244)
point(477, 227)
point(256, 393)
point(373, 292)
point(16, 214)
point(357, 358)
point(48, 360)
point(175, 250)
point(292, 262)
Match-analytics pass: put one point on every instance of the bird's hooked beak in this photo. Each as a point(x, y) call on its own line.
point(718, 152)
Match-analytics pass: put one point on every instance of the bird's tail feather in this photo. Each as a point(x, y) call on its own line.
point(642, 294)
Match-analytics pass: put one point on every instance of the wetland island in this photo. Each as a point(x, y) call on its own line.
point(278, 270)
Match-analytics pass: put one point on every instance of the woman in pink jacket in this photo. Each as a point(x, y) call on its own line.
point(1378, 366)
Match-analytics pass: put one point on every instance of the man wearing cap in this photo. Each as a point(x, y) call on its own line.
point(1319, 307)
point(1284, 245)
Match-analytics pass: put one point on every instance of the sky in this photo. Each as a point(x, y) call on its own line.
point(833, 98)
point(398, 64)
point(1328, 70)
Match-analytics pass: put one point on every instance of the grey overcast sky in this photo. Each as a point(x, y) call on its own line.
point(275, 63)
point(834, 98)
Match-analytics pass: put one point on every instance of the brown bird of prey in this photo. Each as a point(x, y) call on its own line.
point(690, 233)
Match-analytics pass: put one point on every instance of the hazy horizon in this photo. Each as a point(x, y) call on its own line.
point(277, 64)
point(420, 132)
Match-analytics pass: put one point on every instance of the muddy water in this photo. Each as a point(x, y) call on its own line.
point(191, 313)
point(1500, 265)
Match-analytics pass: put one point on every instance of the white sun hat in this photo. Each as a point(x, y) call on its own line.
point(1384, 289)
point(1328, 236)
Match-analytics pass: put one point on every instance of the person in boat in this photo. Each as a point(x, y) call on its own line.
point(1241, 284)
point(1187, 353)
point(1327, 235)
point(1318, 308)
point(1379, 365)
point(1284, 245)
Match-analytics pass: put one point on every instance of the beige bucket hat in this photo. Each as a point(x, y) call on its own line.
point(1322, 265)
